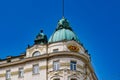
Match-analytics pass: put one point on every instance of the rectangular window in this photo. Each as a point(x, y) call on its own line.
point(35, 69)
point(56, 65)
point(55, 50)
point(72, 65)
point(56, 79)
point(73, 79)
point(21, 72)
point(8, 75)
point(8, 60)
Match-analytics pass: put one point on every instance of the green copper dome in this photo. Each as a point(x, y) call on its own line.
point(63, 32)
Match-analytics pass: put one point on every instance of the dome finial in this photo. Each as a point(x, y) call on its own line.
point(41, 31)
point(63, 23)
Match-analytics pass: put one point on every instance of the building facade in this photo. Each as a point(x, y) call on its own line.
point(62, 57)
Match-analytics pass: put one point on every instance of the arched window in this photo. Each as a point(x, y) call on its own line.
point(37, 53)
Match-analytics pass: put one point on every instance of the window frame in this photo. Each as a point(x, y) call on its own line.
point(35, 69)
point(8, 74)
point(56, 65)
point(55, 50)
point(73, 65)
point(21, 72)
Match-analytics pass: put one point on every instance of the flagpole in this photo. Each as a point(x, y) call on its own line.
point(63, 8)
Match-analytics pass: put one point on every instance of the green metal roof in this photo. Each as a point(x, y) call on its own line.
point(41, 38)
point(63, 32)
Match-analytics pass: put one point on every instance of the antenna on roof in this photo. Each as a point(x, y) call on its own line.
point(63, 8)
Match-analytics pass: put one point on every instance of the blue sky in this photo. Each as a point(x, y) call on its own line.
point(96, 22)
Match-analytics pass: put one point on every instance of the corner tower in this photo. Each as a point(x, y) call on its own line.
point(68, 60)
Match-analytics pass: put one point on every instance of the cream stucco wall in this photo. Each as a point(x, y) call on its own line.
point(45, 61)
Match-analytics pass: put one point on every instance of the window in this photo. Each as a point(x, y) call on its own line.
point(21, 72)
point(37, 53)
point(8, 74)
point(56, 79)
point(35, 69)
point(55, 50)
point(56, 65)
point(73, 79)
point(8, 60)
point(72, 65)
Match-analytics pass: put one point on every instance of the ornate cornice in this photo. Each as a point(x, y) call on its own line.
point(45, 56)
point(50, 56)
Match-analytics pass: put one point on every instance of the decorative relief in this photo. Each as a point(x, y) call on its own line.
point(53, 77)
point(43, 67)
point(65, 64)
point(79, 66)
point(14, 73)
point(68, 72)
point(36, 48)
point(28, 70)
point(73, 47)
point(56, 73)
point(60, 72)
point(51, 73)
point(39, 48)
point(2, 75)
point(31, 50)
point(50, 66)
point(61, 64)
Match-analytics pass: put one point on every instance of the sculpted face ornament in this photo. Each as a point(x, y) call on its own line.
point(73, 47)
